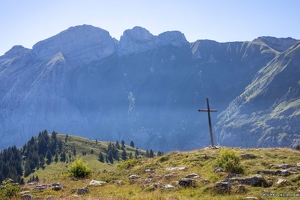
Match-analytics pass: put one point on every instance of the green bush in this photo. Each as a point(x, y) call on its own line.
point(127, 164)
point(8, 189)
point(229, 160)
point(79, 169)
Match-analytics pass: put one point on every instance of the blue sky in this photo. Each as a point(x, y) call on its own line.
point(27, 22)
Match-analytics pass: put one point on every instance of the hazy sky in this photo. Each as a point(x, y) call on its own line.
point(25, 22)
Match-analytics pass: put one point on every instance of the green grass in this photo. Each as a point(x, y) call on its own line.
point(201, 161)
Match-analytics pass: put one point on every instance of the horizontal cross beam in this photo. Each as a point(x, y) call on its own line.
point(205, 110)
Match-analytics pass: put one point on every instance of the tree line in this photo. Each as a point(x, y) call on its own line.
point(17, 163)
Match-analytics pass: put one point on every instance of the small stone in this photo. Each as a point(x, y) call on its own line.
point(193, 175)
point(281, 181)
point(97, 183)
point(82, 191)
point(149, 170)
point(167, 186)
point(218, 169)
point(187, 182)
point(120, 182)
point(57, 188)
point(169, 176)
point(26, 197)
point(56, 184)
point(156, 185)
point(282, 172)
point(177, 168)
point(285, 166)
point(134, 176)
point(148, 180)
point(222, 186)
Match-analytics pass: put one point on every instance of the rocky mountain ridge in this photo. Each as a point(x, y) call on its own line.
point(145, 88)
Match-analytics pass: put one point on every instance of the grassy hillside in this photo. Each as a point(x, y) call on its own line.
point(161, 177)
point(87, 150)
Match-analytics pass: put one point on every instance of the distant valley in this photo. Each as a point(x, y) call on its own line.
point(148, 89)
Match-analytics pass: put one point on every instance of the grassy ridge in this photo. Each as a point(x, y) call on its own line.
point(201, 162)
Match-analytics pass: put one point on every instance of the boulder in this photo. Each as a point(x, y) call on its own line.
point(281, 182)
point(56, 184)
point(57, 188)
point(169, 176)
point(285, 166)
point(149, 170)
point(26, 197)
point(177, 168)
point(222, 187)
point(187, 182)
point(42, 187)
point(266, 171)
point(148, 180)
point(134, 176)
point(156, 185)
point(120, 182)
point(282, 172)
point(218, 169)
point(167, 187)
point(97, 183)
point(82, 191)
point(256, 180)
point(193, 175)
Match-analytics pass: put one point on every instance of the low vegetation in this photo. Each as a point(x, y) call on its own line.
point(79, 169)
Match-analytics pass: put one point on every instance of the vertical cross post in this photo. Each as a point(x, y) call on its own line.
point(208, 110)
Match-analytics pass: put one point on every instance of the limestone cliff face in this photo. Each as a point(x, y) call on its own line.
point(268, 110)
point(144, 87)
point(80, 44)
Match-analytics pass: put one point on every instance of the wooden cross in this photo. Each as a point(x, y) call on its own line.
point(208, 110)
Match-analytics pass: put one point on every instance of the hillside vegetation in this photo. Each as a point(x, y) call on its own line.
point(209, 173)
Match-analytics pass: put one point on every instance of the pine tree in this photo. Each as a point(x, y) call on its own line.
point(101, 157)
point(151, 154)
point(122, 144)
point(117, 144)
point(56, 158)
point(124, 155)
point(66, 138)
point(132, 144)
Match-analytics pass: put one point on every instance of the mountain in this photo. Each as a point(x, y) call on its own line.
point(268, 110)
point(144, 87)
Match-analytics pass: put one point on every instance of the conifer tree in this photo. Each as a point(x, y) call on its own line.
point(101, 157)
point(151, 154)
point(124, 155)
point(132, 144)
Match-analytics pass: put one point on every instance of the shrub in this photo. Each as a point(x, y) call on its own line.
point(8, 189)
point(127, 164)
point(229, 160)
point(79, 169)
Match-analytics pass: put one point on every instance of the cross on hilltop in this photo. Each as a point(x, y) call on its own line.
point(208, 110)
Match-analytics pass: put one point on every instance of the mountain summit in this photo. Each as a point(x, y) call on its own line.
point(148, 88)
point(80, 44)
